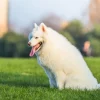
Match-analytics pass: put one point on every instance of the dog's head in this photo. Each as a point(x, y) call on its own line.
point(36, 38)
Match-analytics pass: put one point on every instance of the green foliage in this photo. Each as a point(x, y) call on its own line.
point(24, 79)
point(75, 29)
point(96, 31)
point(95, 43)
point(1, 48)
point(69, 37)
point(14, 45)
point(94, 38)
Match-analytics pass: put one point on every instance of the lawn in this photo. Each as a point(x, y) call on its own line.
point(24, 79)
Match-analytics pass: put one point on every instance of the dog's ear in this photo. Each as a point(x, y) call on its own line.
point(35, 25)
point(43, 27)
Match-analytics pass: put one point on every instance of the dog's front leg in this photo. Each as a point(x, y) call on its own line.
point(52, 81)
point(51, 77)
point(60, 79)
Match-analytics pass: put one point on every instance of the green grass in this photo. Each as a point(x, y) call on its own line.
point(24, 79)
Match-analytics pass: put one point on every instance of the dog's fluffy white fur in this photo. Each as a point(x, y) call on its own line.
point(62, 62)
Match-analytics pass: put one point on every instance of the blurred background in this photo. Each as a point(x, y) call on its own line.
point(77, 20)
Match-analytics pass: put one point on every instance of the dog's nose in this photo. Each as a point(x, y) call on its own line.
point(29, 43)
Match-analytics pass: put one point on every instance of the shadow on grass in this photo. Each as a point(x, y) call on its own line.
point(23, 80)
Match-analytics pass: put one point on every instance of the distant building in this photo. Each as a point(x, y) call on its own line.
point(3, 17)
point(94, 12)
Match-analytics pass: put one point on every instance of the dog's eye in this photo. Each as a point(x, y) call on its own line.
point(36, 37)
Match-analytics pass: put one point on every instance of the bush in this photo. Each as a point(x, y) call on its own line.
point(94, 38)
point(69, 37)
point(14, 45)
point(75, 29)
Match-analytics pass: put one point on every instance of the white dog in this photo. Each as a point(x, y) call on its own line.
point(61, 61)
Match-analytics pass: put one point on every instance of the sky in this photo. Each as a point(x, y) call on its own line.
point(23, 12)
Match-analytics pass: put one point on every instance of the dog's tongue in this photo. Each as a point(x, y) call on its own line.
point(33, 50)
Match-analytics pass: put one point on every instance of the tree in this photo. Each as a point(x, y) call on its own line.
point(14, 45)
point(69, 37)
point(94, 38)
point(76, 30)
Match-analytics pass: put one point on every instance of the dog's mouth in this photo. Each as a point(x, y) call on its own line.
point(35, 49)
